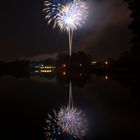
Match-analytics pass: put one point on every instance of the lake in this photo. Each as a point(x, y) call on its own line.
point(111, 104)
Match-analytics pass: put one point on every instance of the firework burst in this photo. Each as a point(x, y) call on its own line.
point(67, 15)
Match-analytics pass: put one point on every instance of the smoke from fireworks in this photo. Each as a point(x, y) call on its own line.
point(66, 15)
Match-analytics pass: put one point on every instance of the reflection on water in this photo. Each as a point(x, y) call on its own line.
point(109, 100)
point(78, 78)
point(68, 121)
point(70, 104)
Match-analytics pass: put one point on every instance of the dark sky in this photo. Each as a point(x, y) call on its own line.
point(24, 33)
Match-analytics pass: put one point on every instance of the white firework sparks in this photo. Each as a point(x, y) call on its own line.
point(67, 121)
point(73, 122)
point(68, 16)
point(52, 130)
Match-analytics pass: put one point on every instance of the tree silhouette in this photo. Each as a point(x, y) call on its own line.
point(80, 60)
point(62, 61)
point(134, 6)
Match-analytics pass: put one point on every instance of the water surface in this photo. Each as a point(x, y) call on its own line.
point(111, 105)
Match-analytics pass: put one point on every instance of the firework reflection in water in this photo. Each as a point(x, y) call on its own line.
point(68, 122)
point(73, 122)
point(52, 130)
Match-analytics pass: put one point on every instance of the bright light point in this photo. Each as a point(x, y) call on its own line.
point(106, 77)
point(64, 65)
point(94, 62)
point(106, 62)
point(69, 20)
point(64, 73)
point(45, 71)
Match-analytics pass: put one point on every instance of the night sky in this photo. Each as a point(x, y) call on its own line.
point(24, 33)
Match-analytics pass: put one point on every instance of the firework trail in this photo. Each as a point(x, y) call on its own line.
point(68, 15)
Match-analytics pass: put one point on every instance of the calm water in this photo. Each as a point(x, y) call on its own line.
point(111, 106)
